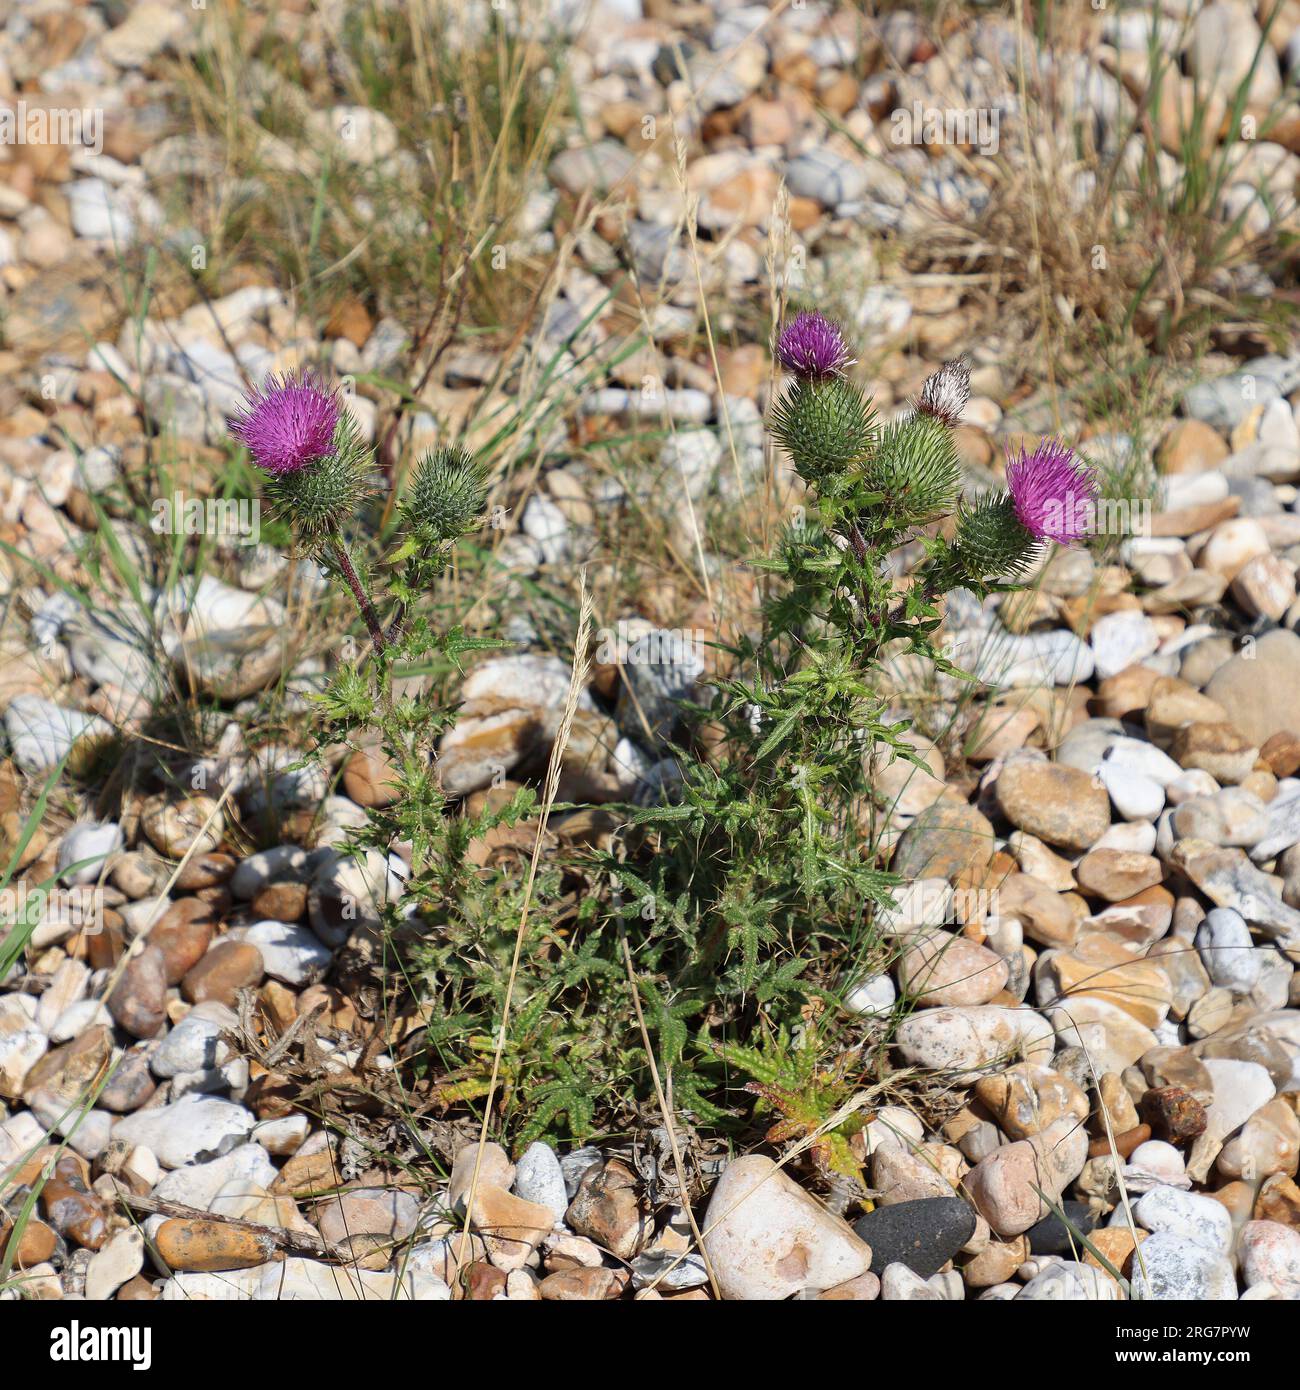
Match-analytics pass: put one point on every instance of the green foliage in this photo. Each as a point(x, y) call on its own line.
point(805, 1083)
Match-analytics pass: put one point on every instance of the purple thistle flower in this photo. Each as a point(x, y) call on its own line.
point(812, 346)
point(1053, 492)
point(289, 423)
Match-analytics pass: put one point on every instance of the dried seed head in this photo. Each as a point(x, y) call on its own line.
point(946, 392)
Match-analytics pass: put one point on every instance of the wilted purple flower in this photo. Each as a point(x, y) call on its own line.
point(1054, 493)
point(289, 423)
point(812, 346)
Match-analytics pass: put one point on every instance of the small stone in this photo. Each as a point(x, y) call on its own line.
point(968, 1041)
point(1268, 1143)
point(183, 935)
point(923, 1235)
point(1187, 1214)
point(584, 1285)
point(137, 1003)
point(607, 1208)
point(938, 968)
point(1270, 1253)
point(192, 1244)
point(228, 967)
point(1115, 875)
point(1173, 1268)
point(1173, 1113)
point(1052, 1236)
point(116, 1264)
point(281, 902)
point(1218, 749)
point(511, 1227)
point(1058, 804)
point(174, 827)
point(1026, 1099)
point(767, 1238)
point(292, 955)
point(540, 1179)
point(1260, 686)
point(193, 1129)
point(944, 839)
point(73, 1210)
point(1227, 950)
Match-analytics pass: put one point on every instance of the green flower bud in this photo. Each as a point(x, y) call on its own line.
point(446, 496)
point(827, 426)
point(916, 467)
point(991, 542)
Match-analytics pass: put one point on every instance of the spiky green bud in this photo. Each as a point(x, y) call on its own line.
point(317, 501)
point(446, 497)
point(827, 426)
point(991, 542)
point(916, 467)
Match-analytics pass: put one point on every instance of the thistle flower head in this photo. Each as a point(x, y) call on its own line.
point(812, 346)
point(946, 392)
point(318, 500)
point(1053, 492)
point(289, 423)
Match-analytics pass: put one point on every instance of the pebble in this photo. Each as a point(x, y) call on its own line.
point(540, 1179)
point(191, 1130)
point(292, 955)
point(1270, 1253)
point(1186, 1214)
point(1173, 1268)
point(767, 1238)
point(923, 1235)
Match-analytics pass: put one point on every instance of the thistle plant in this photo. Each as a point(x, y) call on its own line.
point(766, 873)
point(318, 470)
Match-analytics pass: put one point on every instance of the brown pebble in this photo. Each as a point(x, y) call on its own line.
point(183, 935)
point(282, 902)
point(1116, 1243)
point(35, 1245)
point(104, 948)
point(206, 871)
point(137, 1290)
point(1124, 1143)
point(1278, 1200)
point(138, 1003)
point(584, 1285)
point(1173, 1113)
point(278, 1003)
point(71, 1208)
point(483, 1281)
point(228, 966)
point(204, 1246)
point(306, 1174)
point(1282, 753)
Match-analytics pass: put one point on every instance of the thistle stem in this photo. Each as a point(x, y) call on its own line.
point(367, 608)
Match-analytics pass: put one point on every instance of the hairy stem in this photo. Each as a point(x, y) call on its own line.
point(367, 608)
